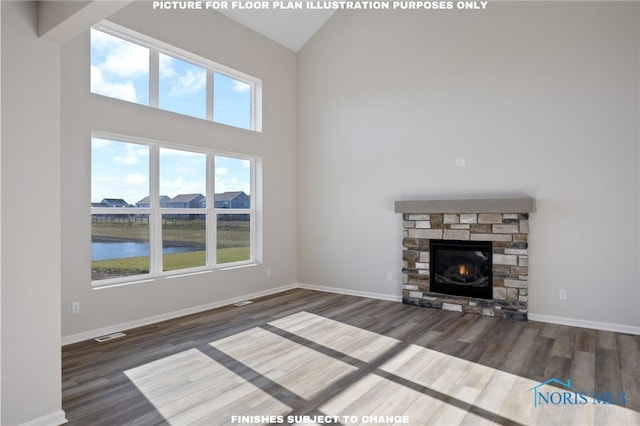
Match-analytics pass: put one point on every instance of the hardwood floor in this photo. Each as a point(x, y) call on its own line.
point(306, 353)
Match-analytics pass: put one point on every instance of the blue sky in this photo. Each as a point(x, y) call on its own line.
point(120, 69)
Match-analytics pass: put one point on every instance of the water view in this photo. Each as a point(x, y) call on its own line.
point(123, 249)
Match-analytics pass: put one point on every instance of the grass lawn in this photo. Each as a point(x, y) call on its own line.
point(229, 233)
point(232, 244)
point(132, 231)
point(128, 266)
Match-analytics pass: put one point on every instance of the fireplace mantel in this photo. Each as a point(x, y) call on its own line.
point(472, 205)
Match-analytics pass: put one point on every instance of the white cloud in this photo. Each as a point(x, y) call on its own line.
point(97, 143)
point(190, 81)
point(135, 178)
point(232, 184)
point(239, 86)
point(124, 90)
point(166, 68)
point(120, 57)
point(221, 171)
point(126, 159)
point(180, 153)
point(173, 187)
point(131, 154)
point(185, 169)
point(99, 179)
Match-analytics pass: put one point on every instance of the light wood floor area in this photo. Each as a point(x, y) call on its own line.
point(362, 361)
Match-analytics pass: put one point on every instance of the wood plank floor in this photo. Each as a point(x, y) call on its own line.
point(306, 353)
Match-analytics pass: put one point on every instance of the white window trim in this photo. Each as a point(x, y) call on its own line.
point(155, 213)
point(156, 47)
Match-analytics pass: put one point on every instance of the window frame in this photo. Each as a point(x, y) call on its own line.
point(211, 213)
point(156, 47)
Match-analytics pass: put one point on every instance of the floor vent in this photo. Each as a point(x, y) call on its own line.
point(108, 337)
point(244, 302)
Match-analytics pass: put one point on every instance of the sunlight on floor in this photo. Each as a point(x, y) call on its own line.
point(306, 360)
point(300, 370)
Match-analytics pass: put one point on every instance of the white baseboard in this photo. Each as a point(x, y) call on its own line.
point(91, 334)
point(370, 295)
point(605, 326)
point(534, 317)
point(53, 419)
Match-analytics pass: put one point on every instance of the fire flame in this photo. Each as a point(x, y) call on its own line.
point(462, 269)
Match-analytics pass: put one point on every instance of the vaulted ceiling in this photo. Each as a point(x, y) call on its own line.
point(59, 21)
point(290, 28)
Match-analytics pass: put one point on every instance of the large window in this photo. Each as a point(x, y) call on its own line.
point(132, 67)
point(158, 210)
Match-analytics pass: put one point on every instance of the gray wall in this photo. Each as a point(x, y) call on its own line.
point(543, 93)
point(30, 251)
point(217, 38)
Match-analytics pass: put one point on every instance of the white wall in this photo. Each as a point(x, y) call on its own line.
point(545, 93)
point(31, 384)
point(215, 37)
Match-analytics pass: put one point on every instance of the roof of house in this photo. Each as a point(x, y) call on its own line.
point(114, 201)
point(146, 199)
point(186, 198)
point(227, 196)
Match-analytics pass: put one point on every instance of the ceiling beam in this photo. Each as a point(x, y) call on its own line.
point(60, 21)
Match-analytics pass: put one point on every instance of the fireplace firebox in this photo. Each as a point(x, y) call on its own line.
point(461, 268)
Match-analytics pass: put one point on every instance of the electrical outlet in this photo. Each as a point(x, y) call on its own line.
point(461, 162)
point(389, 276)
point(563, 294)
point(75, 307)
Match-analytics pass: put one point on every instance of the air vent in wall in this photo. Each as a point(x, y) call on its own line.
point(108, 337)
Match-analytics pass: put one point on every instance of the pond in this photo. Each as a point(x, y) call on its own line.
point(122, 249)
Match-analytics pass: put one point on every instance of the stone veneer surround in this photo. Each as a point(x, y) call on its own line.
point(508, 233)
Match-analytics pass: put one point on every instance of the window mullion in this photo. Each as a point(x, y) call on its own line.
point(252, 216)
point(154, 78)
point(212, 219)
point(256, 106)
point(210, 90)
point(155, 239)
point(252, 107)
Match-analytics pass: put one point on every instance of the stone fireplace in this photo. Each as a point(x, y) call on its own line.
point(471, 235)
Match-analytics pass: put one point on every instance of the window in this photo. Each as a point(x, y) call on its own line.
point(158, 210)
point(120, 233)
point(183, 178)
point(119, 68)
point(182, 87)
point(231, 101)
point(232, 201)
point(132, 67)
